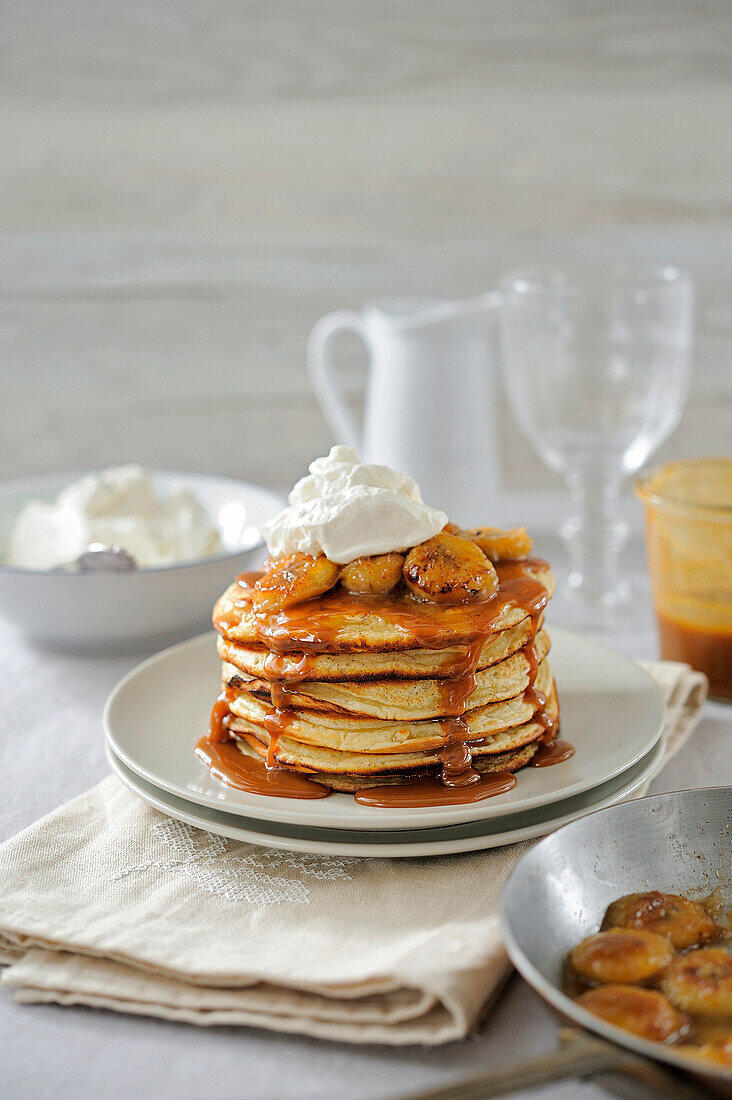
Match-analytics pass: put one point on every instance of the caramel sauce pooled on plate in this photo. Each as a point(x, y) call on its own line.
point(431, 792)
point(550, 753)
point(224, 760)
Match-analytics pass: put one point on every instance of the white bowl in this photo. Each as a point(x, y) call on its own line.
point(118, 612)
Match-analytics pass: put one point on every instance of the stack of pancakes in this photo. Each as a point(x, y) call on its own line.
point(346, 690)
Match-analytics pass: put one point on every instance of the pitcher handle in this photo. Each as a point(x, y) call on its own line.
point(320, 371)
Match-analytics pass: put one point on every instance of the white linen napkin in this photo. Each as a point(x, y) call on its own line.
point(107, 902)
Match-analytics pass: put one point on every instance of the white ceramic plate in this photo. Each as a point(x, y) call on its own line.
point(440, 841)
point(611, 712)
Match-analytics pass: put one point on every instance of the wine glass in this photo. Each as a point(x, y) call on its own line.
point(597, 368)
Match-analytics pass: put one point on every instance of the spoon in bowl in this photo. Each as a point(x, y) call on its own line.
point(100, 558)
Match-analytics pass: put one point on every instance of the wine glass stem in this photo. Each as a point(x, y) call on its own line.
point(594, 536)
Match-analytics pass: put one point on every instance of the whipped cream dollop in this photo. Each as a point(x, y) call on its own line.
point(117, 507)
point(346, 509)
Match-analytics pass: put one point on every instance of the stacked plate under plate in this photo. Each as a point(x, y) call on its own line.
point(611, 712)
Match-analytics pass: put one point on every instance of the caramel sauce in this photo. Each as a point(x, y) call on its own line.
point(227, 763)
point(221, 715)
point(459, 676)
point(456, 759)
point(279, 677)
point(550, 753)
point(224, 623)
point(278, 669)
point(709, 651)
point(277, 720)
point(246, 581)
point(430, 791)
point(535, 697)
point(314, 626)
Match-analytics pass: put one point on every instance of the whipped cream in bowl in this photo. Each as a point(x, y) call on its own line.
point(117, 507)
point(347, 509)
point(187, 533)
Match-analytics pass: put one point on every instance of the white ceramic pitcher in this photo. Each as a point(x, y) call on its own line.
point(430, 397)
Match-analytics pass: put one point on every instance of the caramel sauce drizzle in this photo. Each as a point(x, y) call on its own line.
point(278, 720)
point(218, 725)
point(279, 677)
point(532, 695)
point(550, 753)
point(246, 581)
point(224, 760)
point(314, 626)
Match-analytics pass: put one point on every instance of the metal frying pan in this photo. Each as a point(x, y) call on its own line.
point(680, 843)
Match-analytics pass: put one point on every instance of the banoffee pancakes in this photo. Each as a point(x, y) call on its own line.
point(407, 676)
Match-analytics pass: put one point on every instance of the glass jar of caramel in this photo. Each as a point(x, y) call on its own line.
point(688, 507)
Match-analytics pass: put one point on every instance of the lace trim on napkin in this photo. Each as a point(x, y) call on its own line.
point(263, 877)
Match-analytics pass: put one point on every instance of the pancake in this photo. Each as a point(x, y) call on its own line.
point(372, 665)
point(349, 784)
point(495, 753)
point(400, 700)
point(360, 624)
point(349, 733)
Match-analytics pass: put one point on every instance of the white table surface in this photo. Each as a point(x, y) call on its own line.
point(50, 750)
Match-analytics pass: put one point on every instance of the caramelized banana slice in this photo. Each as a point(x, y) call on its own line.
point(374, 575)
point(294, 580)
point(621, 955)
point(642, 1011)
point(449, 569)
point(701, 983)
point(684, 922)
point(512, 544)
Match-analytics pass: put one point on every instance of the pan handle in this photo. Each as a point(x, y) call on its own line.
point(581, 1056)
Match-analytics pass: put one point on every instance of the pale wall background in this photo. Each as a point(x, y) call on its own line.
point(186, 186)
